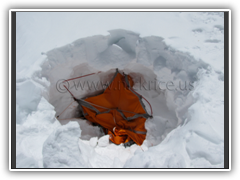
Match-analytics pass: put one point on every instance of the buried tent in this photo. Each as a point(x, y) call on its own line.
point(119, 110)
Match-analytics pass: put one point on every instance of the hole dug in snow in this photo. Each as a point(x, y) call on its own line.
point(164, 76)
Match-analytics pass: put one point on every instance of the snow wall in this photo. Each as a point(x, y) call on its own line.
point(165, 77)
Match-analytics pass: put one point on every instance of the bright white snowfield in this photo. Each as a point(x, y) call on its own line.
point(187, 127)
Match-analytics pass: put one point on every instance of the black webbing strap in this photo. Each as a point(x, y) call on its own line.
point(133, 117)
point(138, 132)
point(86, 104)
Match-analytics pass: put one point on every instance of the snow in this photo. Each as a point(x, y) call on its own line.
point(187, 126)
point(103, 141)
point(61, 150)
point(32, 133)
point(93, 141)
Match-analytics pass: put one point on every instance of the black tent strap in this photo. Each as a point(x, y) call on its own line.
point(138, 132)
point(88, 105)
point(133, 117)
point(84, 103)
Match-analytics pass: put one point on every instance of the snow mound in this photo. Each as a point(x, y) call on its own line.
point(103, 141)
point(32, 133)
point(93, 141)
point(61, 149)
point(28, 95)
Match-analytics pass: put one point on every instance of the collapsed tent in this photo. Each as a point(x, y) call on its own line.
point(119, 110)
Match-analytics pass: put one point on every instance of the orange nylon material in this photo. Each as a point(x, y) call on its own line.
point(119, 136)
point(117, 97)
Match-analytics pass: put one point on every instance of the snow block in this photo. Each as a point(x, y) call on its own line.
point(28, 95)
point(61, 149)
point(103, 141)
point(93, 141)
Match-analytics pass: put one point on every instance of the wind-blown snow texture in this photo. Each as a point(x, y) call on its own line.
point(187, 128)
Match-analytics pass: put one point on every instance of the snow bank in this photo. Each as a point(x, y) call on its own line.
point(28, 96)
point(64, 149)
point(61, 149)
point(199, 142)
point(32, 133)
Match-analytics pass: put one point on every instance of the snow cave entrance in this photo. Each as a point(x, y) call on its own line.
point(165, 77)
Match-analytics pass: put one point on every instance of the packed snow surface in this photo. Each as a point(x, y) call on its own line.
point(176, 62)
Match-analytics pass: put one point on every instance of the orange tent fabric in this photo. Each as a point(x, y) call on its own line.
point(118, 109)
